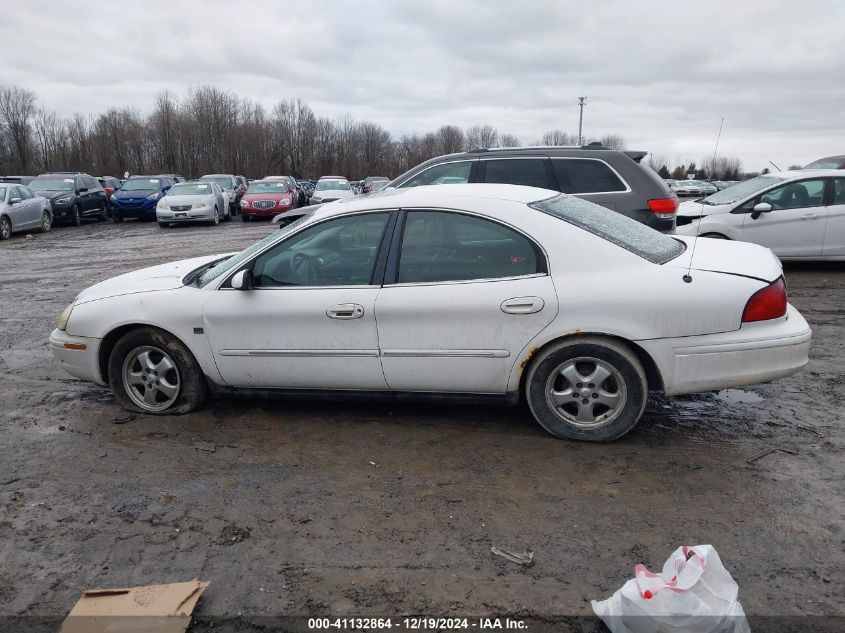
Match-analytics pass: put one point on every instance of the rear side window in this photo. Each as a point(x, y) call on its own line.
point(575, 175)
point(613, 227)
point(444, 246)
point(530, 172)
point(443, 174)
point(839, 191)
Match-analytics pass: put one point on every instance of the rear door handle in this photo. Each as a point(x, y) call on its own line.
point(809, 216)
point(523, 305)
point(345, 311)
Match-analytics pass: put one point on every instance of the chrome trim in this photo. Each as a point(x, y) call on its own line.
point(402, 284)
point(302, 353)
point(445, 353)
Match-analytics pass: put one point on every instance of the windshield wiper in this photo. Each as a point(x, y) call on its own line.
point(196, 273)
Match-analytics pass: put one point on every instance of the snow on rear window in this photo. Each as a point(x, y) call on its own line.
point(613, 227)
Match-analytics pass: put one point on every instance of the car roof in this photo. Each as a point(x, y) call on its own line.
point(436, 196)
point(806, 173)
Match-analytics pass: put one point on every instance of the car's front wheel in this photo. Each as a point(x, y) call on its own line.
point(76, 216)
point(150, 371)
point(46, 221)
point(5, 228)
point(587, 388)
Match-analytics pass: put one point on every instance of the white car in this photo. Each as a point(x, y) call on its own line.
point(692, 188)
point(500, 291)
point(797, 214)
point(193, 201)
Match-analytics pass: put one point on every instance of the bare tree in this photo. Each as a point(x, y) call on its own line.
point(17, 107)
point(559, 137)
point(613, 141)
point(450, 140)
point(481, 136)
point(508, 140)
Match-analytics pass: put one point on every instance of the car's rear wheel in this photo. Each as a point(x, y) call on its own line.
point(5, 228)
point(76, 216)
point(46, 222)
point(587, 388)
point(150, 371)
point(104, 212)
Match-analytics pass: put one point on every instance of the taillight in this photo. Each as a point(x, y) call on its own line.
point(664, 208)
point(765, 304)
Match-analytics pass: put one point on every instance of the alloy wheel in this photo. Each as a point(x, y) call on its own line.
point(586, 392)
point(151, 378)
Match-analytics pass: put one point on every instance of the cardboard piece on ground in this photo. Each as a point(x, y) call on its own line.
point(153, 608)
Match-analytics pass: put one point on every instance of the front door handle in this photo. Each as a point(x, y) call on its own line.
point(345, 311)
point(523, 305)
point(809, 216)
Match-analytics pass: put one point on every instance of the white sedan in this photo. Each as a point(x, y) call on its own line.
point(498, 291)
point(797, 214)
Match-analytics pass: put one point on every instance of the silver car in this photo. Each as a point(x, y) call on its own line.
point(22, 210)
point(194, 201)
point(229, 185)
point(330, 189)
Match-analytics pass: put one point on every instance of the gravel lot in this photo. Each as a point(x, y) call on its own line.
point(319, 508)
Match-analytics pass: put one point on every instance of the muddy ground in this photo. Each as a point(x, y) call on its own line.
point(328, 508)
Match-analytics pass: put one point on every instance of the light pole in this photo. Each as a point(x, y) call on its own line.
point(582, 101)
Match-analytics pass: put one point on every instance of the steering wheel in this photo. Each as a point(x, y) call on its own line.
point(302, 269)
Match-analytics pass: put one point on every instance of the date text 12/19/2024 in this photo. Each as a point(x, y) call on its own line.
point(416, 623)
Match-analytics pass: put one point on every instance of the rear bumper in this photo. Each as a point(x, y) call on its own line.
point(77, 355)
point(756, 353)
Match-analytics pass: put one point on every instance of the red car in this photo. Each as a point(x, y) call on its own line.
point(267, 198)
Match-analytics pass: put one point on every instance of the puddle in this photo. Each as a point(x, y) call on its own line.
point(739, 396)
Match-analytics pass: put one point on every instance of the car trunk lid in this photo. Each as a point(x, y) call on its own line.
point(729, 257)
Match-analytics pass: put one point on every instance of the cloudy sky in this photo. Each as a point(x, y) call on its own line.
point(660, 74)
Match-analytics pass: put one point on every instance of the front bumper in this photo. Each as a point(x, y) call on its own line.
point(756, 353)
point(191, 215)
point(77, 354)
point(146, 209)
point(264, 213)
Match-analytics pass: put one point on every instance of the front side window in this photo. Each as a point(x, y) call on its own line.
point(796, 195)
point(444, 246)
point(340, 252)
point(586, 176)
point(530, 172)
point(443, 174)
point(838, 191)
point(26, 194)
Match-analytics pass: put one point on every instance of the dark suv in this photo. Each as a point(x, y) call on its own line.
point(612, 178)
point(72, 196)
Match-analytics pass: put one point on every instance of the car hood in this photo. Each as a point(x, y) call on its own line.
point(695, 209)
point(265, 196)
point(162, 277)
point(729, 257)
point(135, 193)
point(50, 194)
point(333, 194)
point(186, 200)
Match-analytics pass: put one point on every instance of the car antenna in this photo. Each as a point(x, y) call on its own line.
point(688, 277)
point(775, 166)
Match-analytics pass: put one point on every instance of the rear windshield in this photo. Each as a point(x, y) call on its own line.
point(613, 227)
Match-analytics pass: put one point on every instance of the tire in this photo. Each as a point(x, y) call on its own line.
point(5, 228)
point(624, 387)
point(164, 225)
point(178, 388)
point(76, 218)
point(104, 212)
point(117, 219)
point(46, 221)
point(715, 236)
point(216, 219)
point(229, 215)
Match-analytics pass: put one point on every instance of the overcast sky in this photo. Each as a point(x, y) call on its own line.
point(662, 75)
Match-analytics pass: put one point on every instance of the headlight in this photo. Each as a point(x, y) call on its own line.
point(62, 200)
point(162, 205)
point(113, 198)
point(63, 317)
point(244, 204)
point(284, 202)
point(201, 205)
point(154, 196)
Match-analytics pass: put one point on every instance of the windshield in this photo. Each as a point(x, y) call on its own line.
point(327, 185)
point(52, 184)
point(235, 260)
point(223, 181)
point(267, 187)
point(2, 194)
point(613, 227)
point(141, 184)
point(741, 190)
point(827, 163)
point(192, 189)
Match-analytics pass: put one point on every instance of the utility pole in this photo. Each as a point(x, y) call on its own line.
point(582, 101)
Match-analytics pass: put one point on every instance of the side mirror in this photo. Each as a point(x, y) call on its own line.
point(243, 280)
point(15, 200)
point(759, 209)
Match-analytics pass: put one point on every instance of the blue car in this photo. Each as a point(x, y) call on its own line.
point(138, 197)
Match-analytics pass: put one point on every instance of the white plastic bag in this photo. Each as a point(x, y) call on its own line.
point(694, 593)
